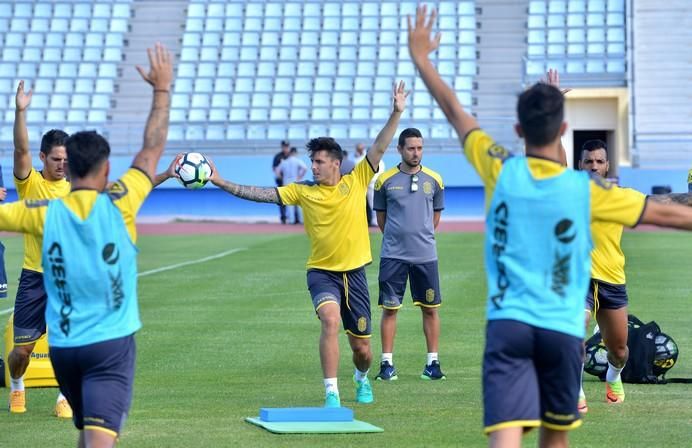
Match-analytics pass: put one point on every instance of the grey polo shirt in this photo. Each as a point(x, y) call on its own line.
point(409, 201)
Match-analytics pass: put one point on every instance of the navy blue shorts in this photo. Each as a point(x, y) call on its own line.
point(424, 279)
point(605, 295)
point(29, 308)
point(97, 381)
point(531, 377)
point(350, 291)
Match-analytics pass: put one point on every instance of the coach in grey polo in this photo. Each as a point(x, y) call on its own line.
point(409, 199)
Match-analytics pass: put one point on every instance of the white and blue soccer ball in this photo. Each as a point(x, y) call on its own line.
point(193, 170)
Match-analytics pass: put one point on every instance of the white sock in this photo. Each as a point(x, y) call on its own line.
point(330, 386)
point(60, 397)
point(581, 383)
point(17, 384)
point(613, 373)
point(431, 357)
point(389, 357)
point(360, 376)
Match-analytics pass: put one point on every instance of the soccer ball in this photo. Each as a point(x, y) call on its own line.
point(193, 170)
point(666, 353)
point(596, 361)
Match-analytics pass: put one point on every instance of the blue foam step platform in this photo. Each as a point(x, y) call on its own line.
point(306, 415)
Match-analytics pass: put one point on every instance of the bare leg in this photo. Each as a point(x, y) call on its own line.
point(330, 319)
point(613, 326)
point(549, 438)
point(94, 438)
point(362, 355)
point(388, 330)
point(506, 438)
point(18, 359)
point(431, 328)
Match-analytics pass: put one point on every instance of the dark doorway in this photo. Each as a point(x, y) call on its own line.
point(579, 137)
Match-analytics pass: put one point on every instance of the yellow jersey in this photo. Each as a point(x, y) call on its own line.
point(607, 259)
point(610, 205)
point(35, 186)
point(128, 194)
point(335, 219)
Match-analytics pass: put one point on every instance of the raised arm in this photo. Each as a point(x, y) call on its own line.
point(667, 215)
point(160, 77)
point(552, 77)
point(384, 138)
point(673, 198)
point(420, 45)
point(22, 156)
point(170, 172)
point(257, 194)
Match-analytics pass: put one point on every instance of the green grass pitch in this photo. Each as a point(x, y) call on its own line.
point(227, 336)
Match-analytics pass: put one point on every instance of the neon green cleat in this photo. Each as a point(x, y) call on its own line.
point(332, 400)
point(615, 392)
point(363, 391)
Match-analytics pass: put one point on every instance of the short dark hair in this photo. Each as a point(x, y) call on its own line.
point(294, 150)
point(51, 139)
point(593, 145)
point(325, 144)
point(408, 133)
point(541, 110)
point(86, 151)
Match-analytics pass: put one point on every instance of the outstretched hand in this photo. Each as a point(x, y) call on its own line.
point(399, 95)
point(214, 177)
point(170, 171)
point(22, 100)
point(419, 42)
point(553, 79)
point(160, 73)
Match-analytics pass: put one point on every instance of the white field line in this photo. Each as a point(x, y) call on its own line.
point(170, 267)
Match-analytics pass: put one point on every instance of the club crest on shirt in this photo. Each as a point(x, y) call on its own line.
point(430, 295)
point(344, 189)
point(362, 324)
point(117, 190)
point(427, 187)
point(499, 152)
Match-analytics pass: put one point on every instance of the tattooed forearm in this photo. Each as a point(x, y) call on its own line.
point(257, 194)
point(156, 130)
point(673, 198)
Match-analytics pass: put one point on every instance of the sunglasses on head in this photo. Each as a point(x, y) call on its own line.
point(414, 183)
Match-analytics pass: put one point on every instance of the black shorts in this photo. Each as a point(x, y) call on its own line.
point(424, 279)
point(531, 377)
point(350, 291)
point(29, 308)
point(606, 296)
point(97, 381)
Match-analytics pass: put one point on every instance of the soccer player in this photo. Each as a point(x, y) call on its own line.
point(334, 216)
point(607, 296)
point(30, 303)
point(278, 157)
point(537, 255)
point(292, 170)
point(409, 200)
point(90, 270)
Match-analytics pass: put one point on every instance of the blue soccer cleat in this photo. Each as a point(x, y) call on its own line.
point(332, 400)
point(387, 372)
point(433, 372)
point(363, 391)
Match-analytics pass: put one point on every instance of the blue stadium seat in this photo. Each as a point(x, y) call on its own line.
point(223, 85)
point(237, 114)
point(100, 101)
point(215, 133)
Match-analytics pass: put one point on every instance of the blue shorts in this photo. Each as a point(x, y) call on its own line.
point(424, 279)
point(97, 381)
point(531, 377)
point(605, 295)
point(29, 308)
point(350, 291)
